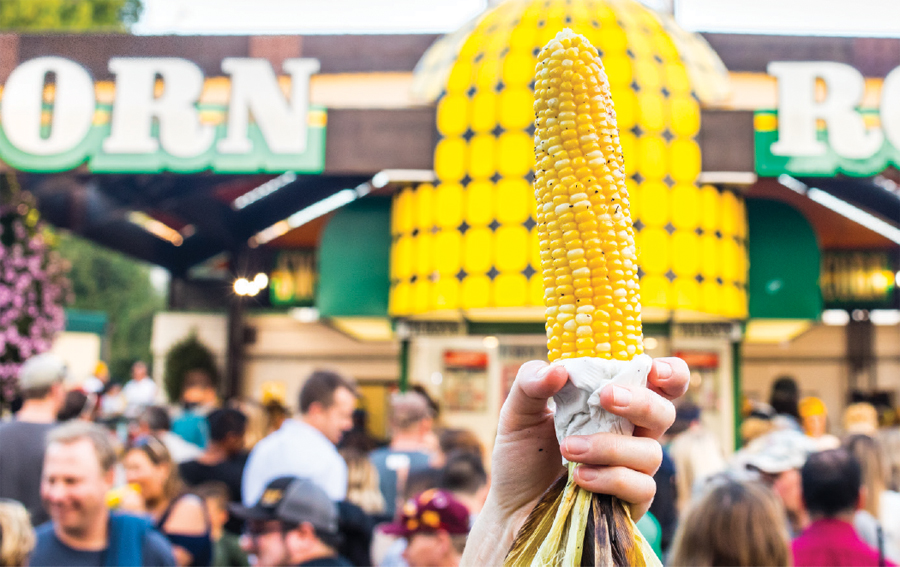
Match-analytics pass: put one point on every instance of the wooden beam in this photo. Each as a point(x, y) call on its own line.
point(873, 57)
point(368, 141)
point(726, 140)
point(336, 53)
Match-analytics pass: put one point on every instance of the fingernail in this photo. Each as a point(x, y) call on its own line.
point(588, 473)
point(663, 370)
point(544, 371)
point(577, 445)
point(621, 396)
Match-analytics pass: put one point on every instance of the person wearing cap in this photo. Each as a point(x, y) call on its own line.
point(294, 522)
point(96, 382)
point(435, 525)
point(815, 423)
point(41, 387)
point(777, 458)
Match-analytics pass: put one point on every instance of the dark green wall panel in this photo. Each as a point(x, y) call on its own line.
point(784, 263)
point(354, 260)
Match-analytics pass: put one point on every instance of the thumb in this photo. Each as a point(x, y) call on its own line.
point(536, 382)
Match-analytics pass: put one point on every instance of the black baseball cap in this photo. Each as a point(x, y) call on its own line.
point(295, 501)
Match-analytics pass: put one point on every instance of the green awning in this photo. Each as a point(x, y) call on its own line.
point(784, 263)
point(84, 321)
point(354, 260)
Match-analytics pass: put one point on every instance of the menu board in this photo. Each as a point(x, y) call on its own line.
point(465, 381)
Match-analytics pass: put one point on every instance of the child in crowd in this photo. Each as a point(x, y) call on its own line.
point(16, 534)
point(227, 550)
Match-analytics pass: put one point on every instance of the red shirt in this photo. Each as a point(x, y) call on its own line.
point(835, 543)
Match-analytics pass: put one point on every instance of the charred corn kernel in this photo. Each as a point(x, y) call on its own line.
point(584, 222)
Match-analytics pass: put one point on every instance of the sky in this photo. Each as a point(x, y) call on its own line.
point(867, 18)
point(305, 16)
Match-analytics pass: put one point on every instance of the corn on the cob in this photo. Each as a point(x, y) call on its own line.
point(589, 269)
point(588, 258)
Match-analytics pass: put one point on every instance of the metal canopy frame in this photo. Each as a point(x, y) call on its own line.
point(862, 192)
point(98, 207)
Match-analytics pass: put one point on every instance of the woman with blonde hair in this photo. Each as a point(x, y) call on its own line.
point(734, 523)
point(257, 421)
point(362, 482)
point(179, 516)
point(16, 534)
point(882, 506)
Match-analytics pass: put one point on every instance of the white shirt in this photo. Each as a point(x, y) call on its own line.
point(138, 395)
point(93, 385)
point(180, 450)
point(867, 526)
point(296, 449)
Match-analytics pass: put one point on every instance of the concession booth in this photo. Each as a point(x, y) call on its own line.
point(364, 202)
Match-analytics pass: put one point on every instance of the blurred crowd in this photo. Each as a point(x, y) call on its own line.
point(106, 475)
point(793, 494)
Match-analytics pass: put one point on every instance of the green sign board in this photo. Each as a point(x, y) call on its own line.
point(162, 114)
point(826, 124)
point(826, 164)
point(90, 151)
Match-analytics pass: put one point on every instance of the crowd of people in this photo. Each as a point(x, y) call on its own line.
point(793, 494)
point(102, 475)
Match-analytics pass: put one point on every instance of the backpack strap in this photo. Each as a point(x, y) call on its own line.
point(126, 540)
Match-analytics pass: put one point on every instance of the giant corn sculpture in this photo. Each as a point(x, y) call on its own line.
point(591, 292)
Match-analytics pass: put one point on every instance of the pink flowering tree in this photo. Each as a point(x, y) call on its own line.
point(33, 284)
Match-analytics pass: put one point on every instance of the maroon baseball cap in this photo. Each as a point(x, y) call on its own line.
point(431, 511)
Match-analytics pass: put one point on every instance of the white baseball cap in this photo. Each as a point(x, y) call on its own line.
point(42, 370)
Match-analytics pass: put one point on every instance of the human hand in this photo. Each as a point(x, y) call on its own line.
point(183, 557)
point(527, 457)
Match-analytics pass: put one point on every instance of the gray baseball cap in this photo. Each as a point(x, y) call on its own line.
point(778, 451)
point(293, 500)
point(42, 370)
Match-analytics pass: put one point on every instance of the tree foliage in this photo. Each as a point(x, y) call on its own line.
point(104, 280)
point(186, 356)
point(69, 15)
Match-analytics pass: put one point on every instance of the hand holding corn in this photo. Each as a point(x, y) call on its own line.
point(611, 464)
point(589, 270)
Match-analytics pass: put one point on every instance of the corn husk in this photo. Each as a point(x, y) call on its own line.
point(570, 527)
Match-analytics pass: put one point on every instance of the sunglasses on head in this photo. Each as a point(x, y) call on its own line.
point(152, 446)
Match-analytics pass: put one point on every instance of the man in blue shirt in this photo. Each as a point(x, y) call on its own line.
point(78, 474)
point(409, 451)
